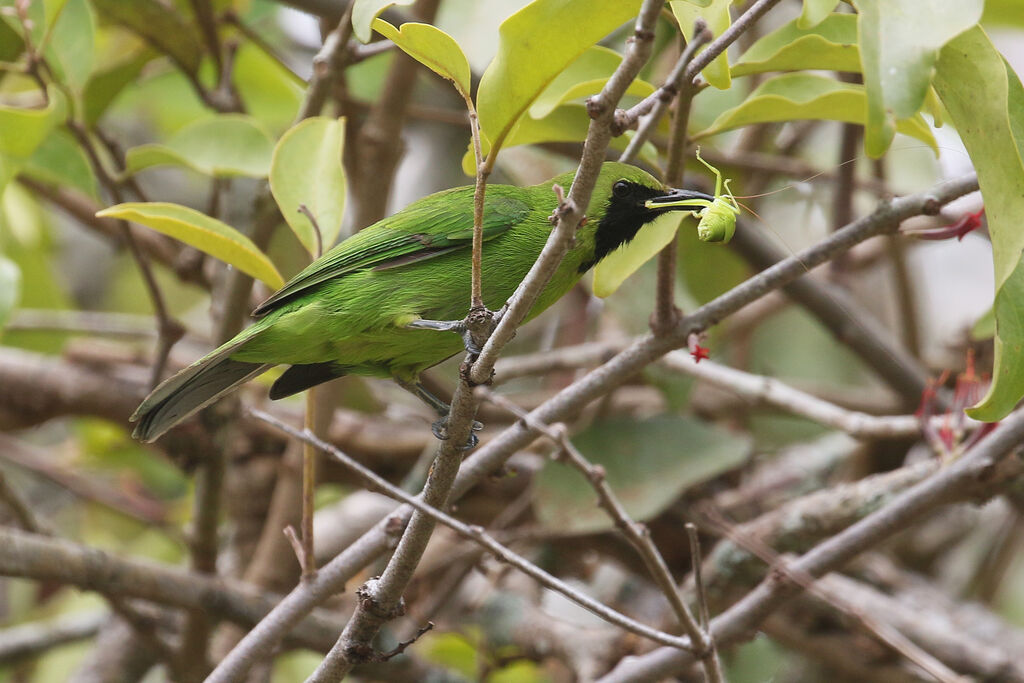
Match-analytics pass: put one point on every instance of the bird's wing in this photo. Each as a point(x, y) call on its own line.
point(430, 227)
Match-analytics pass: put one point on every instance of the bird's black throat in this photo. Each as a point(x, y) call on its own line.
point(622, 220)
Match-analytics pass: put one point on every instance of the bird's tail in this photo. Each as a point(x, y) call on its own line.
point(193, 388)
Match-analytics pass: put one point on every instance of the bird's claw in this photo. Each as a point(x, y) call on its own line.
point(440, 430)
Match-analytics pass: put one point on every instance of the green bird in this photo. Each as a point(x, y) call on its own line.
point(371, 305)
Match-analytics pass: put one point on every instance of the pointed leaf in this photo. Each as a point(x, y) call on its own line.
point(985, 101)
point(815, 12)
point(584, 77)
point(613, 269)
point(648, 464)
point(431, 47)
point(797, 96)
point(717, 17)
point(517, 77)
point(831, 45)
point(899, 42)
point(225, 145)
point(307, 169)
point(365, 11)
point(206, 234)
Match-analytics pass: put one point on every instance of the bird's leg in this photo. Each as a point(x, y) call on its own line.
point(440, 426)
point(458, 326)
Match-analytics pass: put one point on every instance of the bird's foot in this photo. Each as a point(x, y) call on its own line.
point(440, 430)
point(457, 326)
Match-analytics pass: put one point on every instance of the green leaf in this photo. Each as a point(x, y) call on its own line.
point(71, 47)
point(270, 92)
point(613, 269)
point(432, 48)
point(517, 76)
point(584, 77)
point(648, 464)
point(808, 96)
point(159, 25)
point(365, 11)
point(206, 234)
point(830, 45)
point(307, 169)
point(985, 102)
point(815, 12)
point(60, 161)
point(985, 326)
point(22, 131)
point(899, 42)
point(11, 42)
point(10, 288)
point(104, 86)
point(224, 145)
point(717, 17)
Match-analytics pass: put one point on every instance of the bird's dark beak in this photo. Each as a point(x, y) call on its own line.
point(684, 199)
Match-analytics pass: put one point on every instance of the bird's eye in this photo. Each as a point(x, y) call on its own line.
point(620, 188)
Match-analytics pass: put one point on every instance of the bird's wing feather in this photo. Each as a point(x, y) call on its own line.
point(427, 228)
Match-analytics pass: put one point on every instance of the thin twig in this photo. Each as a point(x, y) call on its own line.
point(773, 392)
point(712, 664)
point(666, 314)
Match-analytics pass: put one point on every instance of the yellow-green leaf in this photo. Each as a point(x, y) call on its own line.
point(584, 77)
point(613, 269)
point(431, 47)
point(206, 234)
point(22, 131)
point(899, 43)
point(985, 101)
point(815, 12)
point(831, 45)
point(534, 46)
point(808, 96)
point(307, 169)
point(365, 11)
point(225, 145)
point(717, 17)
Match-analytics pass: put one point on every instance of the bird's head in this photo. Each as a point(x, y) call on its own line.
point(625, 199)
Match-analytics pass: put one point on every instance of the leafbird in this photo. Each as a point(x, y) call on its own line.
point(372, 305)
